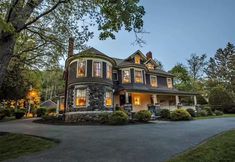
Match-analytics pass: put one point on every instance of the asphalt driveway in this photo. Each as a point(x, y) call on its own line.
point(147, 142)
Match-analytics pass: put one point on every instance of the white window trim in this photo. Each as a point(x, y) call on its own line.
point(129, 73)
point(109, 91)
point(85, 68)
point(141, 75)
point(101, 63)
point(153, 76)
point(169, 82)
point(108, 64)
point(75, 96)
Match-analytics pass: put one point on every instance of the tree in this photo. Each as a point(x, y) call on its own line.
point(160, 65)
point(29, 26)
point(182, 79)
point(196, 65)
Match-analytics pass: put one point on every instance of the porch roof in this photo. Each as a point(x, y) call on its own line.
point(144, 89)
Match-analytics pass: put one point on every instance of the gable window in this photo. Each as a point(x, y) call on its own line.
point(109, 72)
point(137, 100)
point(153, 81)
point(81, 68)
point(126, 76)
point(138, 76)
point(81, 97)
point(108, 98)
point(169, 83)
point(150, 66)
point(97, 69)
point(137, 59)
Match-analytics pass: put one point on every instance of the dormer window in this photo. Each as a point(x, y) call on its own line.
point(150, 66)
point(153, 81)
point(137, 59)
point(169, 83)
point(126, 78)
point(81, 68)
point(97, 70)
point(138, 76)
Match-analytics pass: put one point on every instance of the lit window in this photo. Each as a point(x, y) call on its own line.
point(137, 59)
point(153, 80)
point(150, 66)
point(126, 76)
point(137, 101)
point(169, 83)
point(81, 68)
point(138, 76)
point(97, 69)
point(109, 72)
point(108, 99)
point(81, 97)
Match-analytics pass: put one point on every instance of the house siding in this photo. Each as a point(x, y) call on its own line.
point(89, 68)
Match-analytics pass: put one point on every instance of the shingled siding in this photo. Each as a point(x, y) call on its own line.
point(120, 76)
point(104, 69)
point(147, 79)
point(161, 81)
point(89, 68)
point(72, 72)
point(132, 76)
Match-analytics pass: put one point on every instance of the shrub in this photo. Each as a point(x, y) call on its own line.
point(202, 113)
point(180, 114)
point(143, 116)
point(165, 114)
point(50, 117)
point(218, 113)
point(41, 112)
point(191, 112)
point(7, 112)
point(104, 117)
point(229, 108)
point(118, 118)
point(51, 110)
point(19, 113)
point(208, 110)
point(2, 114)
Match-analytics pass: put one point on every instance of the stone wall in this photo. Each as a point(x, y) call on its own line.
point(84, 116)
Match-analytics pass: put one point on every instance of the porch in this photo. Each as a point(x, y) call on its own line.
point(143, 101)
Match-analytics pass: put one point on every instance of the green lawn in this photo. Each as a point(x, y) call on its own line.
point(212, 117)
point(15, 145)
point(217, 149)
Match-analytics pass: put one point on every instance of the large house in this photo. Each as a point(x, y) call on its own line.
point(96, 81)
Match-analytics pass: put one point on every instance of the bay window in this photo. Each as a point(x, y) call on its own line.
point(153, 81)
point(138, 76)
point(81, 68)
point(81, 97)
point(109, 72)
point(97, 69)
point(108, 98)
point(169, 83)
point(126, 78)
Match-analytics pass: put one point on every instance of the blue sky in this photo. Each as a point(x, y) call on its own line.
point(177, 29)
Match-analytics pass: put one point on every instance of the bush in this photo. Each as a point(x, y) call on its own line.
point(218, 113)
point(104, 117)
point(7, 112)
point(19, 113)
point(118, 118)
point(51, 110)
point(50, 118)
point(202, 113)
point(191, 112)
point(2, 114)
point(180, 114)
point(143, 116)
point(165, 114)
point(41, 112)
point(208, 110)
point(229, 108)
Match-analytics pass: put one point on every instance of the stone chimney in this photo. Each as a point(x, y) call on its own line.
point(71, 47)
point(149, 55)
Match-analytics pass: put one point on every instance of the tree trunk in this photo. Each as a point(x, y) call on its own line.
point(7, 43)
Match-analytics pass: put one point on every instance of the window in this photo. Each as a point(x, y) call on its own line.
point(169, 83)
point(81, 97)
point(138, 76)
point(115, 76)
point(150, 66)
point(137, 100)
point(97, 69)
point(109, 72)
point(108, 99)
point(81, 68)
point(153, 81)
point(126, 76)
point(137, 59)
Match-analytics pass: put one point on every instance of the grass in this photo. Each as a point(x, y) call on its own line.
point(15, 145)
point(217, 149)
point(212, 117)
point(8, 119)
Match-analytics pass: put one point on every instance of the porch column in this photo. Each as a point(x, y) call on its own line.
point(154, 96)
point(177, 101)
point(58, 106)
point(126, 97)
point(195, 100)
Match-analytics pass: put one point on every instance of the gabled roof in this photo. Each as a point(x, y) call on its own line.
point(135, 53)
point(92, 51)
point(152, 61)
point(48, 104)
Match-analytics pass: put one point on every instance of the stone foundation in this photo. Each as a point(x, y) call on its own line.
point(84, 116)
